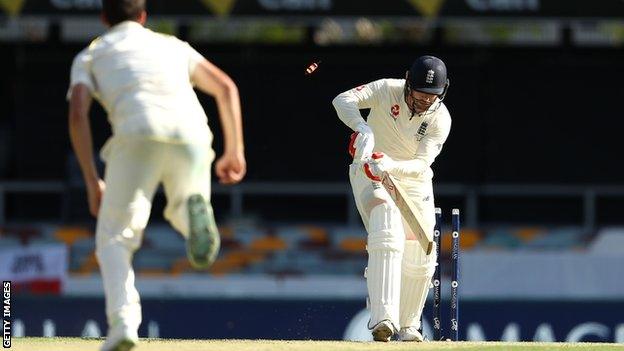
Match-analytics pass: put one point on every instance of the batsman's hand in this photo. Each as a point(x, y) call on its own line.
point(377, 164)
point(95, 191)
point(231, 168)
point(361, 143)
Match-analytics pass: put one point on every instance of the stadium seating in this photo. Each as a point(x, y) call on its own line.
point(290, 249)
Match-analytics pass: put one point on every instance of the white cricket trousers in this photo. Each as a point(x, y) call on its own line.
point(134, 169)
point(399, 271)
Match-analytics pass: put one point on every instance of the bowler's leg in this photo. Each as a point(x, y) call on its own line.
point(187, 186)
point(131, 179)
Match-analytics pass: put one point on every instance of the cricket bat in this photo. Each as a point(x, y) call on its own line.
point(408, 210)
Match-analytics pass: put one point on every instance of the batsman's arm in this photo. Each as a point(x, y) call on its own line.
point(349, 103)
point(428, 149)
point(80, 131)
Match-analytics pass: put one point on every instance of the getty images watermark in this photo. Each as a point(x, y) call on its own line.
point(6, 314)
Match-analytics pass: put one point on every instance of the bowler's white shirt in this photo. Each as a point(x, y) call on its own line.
point(143, 81)
point(397, 133)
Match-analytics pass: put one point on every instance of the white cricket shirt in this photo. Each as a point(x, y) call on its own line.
point(397, 133)
point(142, 79)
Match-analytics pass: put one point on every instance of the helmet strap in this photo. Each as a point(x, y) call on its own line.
point(406, 90)
point(446, 86)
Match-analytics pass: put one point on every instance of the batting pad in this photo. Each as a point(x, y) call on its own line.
point(383, 276)
point(417, 268)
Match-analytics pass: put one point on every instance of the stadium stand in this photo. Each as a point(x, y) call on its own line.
point(287, 249)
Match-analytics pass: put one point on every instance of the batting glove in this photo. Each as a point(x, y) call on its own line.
point(377, 164)
point(361, 143)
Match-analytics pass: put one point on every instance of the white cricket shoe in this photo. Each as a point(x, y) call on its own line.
point(120, 339)
point(383, 331)
point(410, 334)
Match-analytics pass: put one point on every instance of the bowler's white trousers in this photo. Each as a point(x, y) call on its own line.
point(134, 169)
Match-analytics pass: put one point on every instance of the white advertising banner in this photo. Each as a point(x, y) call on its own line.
point(32, 263)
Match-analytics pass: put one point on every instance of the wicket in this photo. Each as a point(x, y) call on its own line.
point(437, 282)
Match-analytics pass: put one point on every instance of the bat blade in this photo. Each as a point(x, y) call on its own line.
point(410, 213)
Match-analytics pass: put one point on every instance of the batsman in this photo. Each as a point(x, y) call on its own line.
point(404, 132)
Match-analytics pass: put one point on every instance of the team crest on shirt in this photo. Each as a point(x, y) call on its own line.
point(422, 130)
point(394, 111)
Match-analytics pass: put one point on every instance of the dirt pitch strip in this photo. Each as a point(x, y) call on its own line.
point(77, 344)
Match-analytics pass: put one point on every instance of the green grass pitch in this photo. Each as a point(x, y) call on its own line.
point(77, 344)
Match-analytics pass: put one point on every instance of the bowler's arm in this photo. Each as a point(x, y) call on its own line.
point(80, 131)
point(231, 166)
point(213, 81)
